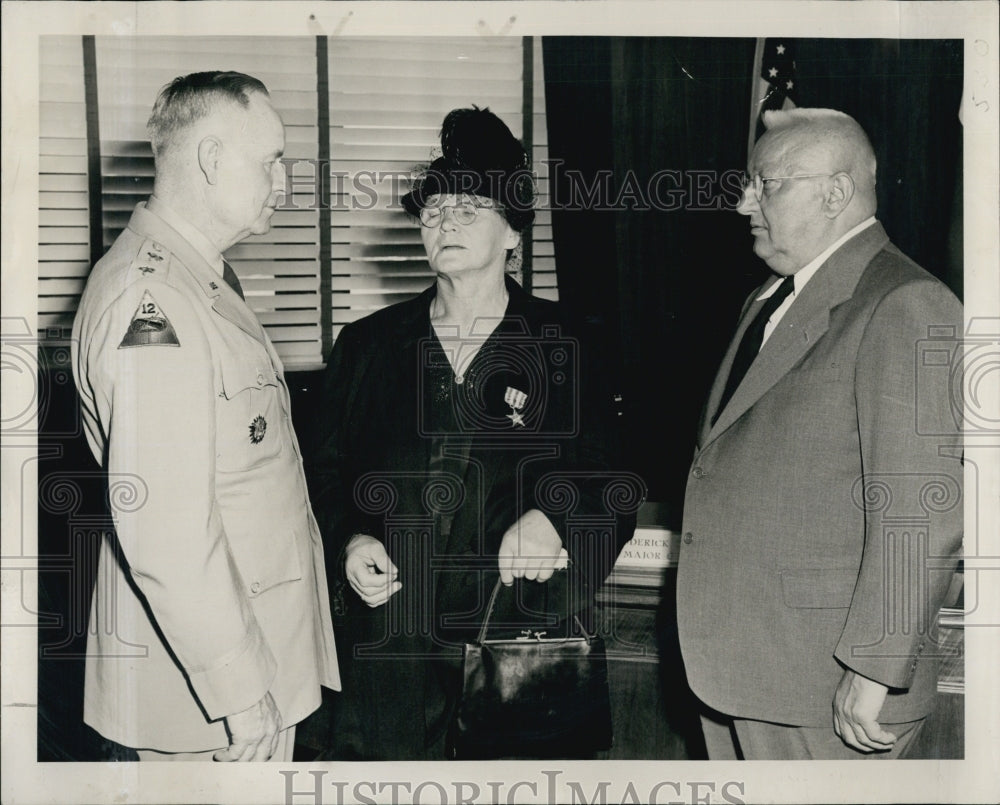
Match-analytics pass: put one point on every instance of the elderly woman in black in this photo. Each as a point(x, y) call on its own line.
point(465, 435)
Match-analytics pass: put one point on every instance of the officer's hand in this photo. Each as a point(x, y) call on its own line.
point(856, 706)
point(253, 734)
point(531, 549)
point(369, 570)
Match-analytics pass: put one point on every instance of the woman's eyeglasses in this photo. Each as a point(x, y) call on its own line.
point(465, 213)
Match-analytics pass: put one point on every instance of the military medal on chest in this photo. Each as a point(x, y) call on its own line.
point(257, 429)
point(516, 400)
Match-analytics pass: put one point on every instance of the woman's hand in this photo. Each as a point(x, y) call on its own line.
point(369, 571)
point(531, 549)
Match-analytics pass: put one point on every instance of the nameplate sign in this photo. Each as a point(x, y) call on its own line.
point(642, 561)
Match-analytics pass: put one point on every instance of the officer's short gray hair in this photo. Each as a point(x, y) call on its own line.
point(189, 98)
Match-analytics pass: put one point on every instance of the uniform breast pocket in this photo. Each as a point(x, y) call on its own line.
point(249, 414)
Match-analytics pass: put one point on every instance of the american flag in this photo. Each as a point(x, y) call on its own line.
point(776, 84)
point(777, 73)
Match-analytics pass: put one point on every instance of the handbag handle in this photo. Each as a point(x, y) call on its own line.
point(489, 614)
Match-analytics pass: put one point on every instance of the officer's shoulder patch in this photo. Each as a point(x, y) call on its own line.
point(152, 260)
point(149, 326)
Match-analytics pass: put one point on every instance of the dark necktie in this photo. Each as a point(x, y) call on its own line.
point(231, 279)
point(751, 342)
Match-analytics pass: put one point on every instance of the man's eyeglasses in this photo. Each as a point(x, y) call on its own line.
point(465, 213)
point(757, 182)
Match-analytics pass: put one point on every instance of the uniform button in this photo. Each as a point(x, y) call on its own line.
point(688, 538)
point(698, 472)
point(260, 378)
point(255, 587)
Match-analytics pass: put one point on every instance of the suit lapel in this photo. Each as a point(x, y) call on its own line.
point(225, 300)
point(750, 310)
point(802, 326)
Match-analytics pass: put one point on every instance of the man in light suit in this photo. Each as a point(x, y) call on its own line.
point(821, 525)
point(210, 626)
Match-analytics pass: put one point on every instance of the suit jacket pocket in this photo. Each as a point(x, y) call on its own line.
point(818, 588)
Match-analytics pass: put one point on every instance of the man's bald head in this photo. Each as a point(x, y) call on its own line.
point(813, 174)
point(825, 139)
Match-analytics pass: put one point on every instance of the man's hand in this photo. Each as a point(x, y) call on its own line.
point(253, 734)
point(856, 706)
point(369, 571)
point(531, 549)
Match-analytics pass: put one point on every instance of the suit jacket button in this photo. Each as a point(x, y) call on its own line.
point(698, 472)
point(255, 587)
point(688, 538)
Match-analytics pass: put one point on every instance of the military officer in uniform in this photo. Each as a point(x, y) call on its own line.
point(214, 583)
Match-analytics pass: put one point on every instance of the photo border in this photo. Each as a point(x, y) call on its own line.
point(24, 780)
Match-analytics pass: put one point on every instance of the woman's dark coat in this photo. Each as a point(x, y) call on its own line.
point(438, 470)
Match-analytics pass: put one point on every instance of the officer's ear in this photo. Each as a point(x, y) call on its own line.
point(209, 151)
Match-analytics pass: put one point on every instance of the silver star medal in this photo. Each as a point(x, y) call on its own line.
point(516, 400)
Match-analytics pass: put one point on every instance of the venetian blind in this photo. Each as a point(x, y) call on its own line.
point(388, 97)
point(63, 216)
point(279, 271)
point(543, 263)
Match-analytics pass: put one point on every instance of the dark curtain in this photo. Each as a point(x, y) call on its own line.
point(642, 133)
point(906, 95)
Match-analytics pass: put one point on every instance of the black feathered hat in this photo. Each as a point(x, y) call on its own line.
point(481, 157)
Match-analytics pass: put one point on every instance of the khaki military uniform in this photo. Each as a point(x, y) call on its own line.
point(215, 591)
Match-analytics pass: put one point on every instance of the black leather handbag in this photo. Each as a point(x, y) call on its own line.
point(532, 697)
